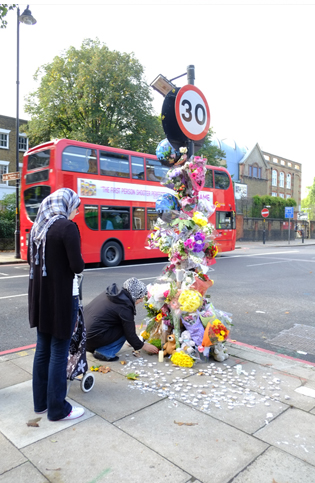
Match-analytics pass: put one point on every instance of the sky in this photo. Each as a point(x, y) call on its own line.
point(254, 61)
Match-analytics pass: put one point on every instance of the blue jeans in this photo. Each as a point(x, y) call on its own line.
point(50, 372)
point(111, 350)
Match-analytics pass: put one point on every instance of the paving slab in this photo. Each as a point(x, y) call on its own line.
point(12, 374)
point(293, 432)
point(25, 361)
point(274, 384)
point(192, 440)
point(112, 396)
point(277, 466)
point(238, 406)
point(109, 455)
point(10, 456)
point(25, 473)
point(16, 410)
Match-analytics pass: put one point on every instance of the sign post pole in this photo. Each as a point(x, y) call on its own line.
point(191, 81)
point(289, 213)
point(264, 213)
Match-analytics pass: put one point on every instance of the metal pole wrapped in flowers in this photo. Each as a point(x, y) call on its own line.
point(181, 320)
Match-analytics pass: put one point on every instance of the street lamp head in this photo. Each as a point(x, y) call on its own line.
point(162, 85)
point(27, 17)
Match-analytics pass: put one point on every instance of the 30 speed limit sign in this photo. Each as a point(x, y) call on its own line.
point(192, 112)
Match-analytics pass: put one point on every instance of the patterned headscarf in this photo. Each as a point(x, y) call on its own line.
point(59, 204)
point(136, 288)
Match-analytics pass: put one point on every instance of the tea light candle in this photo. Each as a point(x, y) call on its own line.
point(161, 356)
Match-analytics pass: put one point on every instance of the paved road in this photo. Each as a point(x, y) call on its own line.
point(268, 291)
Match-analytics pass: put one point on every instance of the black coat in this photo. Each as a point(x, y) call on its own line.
point(110, 316)
point(50, 298)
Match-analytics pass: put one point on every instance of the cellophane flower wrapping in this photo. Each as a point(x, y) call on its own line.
point(178, 300)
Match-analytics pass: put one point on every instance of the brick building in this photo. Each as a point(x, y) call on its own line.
point(258, 172)
point(8, 151)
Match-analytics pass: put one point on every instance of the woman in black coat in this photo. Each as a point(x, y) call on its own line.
point(109, 320)
point(54, 257)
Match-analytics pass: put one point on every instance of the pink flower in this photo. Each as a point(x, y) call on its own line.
point(166, 293)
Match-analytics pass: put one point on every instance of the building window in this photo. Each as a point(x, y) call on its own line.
point(254, 171)
point(23, 143)
point(275, 160)
point(4, 166)
point(274, 178)
point(282, 162)
point(4, 138)
point(250, 171)
point(267, 157)
point(288, 196)
point(288, 181)
point(289, 164)
point(297, 166)
point(281, 195)
point(274, 193)
point(281, 180)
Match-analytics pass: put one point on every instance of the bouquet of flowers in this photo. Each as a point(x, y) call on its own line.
point(215, 332)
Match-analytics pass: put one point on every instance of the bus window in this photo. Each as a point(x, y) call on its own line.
point(38, 160)
point(155, 170)
point(37, 176)
point(225, 220)
point(221, 180)
point(82, 160)
point(152, 217)
point(33, 198)
point(114, 164)
point(115, 218)
point(137, 167)
point(209, 178)
point(91, 216)
point(138, 221)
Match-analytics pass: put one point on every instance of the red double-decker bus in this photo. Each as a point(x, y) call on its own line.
point(118, 190)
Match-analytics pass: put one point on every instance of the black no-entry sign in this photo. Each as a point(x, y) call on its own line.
point(192, 112)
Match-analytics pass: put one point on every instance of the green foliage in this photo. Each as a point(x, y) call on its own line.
point(276, 205)
point(7, 229)
point(309, 201)
point(4, 9)
point(96, 95)
point(8, 207)
point(213, 154)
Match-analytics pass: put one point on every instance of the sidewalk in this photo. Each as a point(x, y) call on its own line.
point(171, 425)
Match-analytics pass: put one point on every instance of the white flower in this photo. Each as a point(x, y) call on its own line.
point(81, 366)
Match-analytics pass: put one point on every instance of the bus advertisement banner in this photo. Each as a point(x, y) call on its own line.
point(113, 190)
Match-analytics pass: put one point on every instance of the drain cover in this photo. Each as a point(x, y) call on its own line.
point(298, 338)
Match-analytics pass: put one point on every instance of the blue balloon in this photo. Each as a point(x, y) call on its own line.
point(166, 202)
point(166, 153)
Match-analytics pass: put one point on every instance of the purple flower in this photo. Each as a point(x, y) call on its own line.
point(199, 236)
point(198, 247)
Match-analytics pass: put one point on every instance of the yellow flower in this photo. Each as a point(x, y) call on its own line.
point(181, 359)
point(189, 300)
point(145, 334)
point(158, 317)
point(199, 219)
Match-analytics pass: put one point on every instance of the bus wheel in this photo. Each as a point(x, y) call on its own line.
point(111, 254)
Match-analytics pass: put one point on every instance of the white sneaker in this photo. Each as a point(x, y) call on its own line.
point(74, 414)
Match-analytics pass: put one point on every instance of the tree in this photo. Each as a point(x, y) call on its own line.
point(8, 207)
point(96, 95)
point(276, 205)
point(4, 8)
point(309, 201)
point(213, 154)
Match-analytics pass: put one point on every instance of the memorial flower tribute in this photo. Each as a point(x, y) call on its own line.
point(177, 302)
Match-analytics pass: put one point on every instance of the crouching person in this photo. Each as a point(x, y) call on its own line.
point(109, 320)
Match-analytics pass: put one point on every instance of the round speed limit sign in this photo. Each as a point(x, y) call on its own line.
point(192, 112)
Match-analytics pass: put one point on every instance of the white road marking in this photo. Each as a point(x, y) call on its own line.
point(3, 274)
point(124, 266)
point(266, 263)
point(257, 254)
point(13, 276)
point(12, 296)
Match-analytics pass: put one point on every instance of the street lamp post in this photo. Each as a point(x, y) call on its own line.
point(28, 19)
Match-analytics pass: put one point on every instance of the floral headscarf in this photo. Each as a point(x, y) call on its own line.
point(136, 288)
point(59, 204)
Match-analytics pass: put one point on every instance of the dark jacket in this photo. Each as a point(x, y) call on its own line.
point(110, 316)
point(50, 298)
